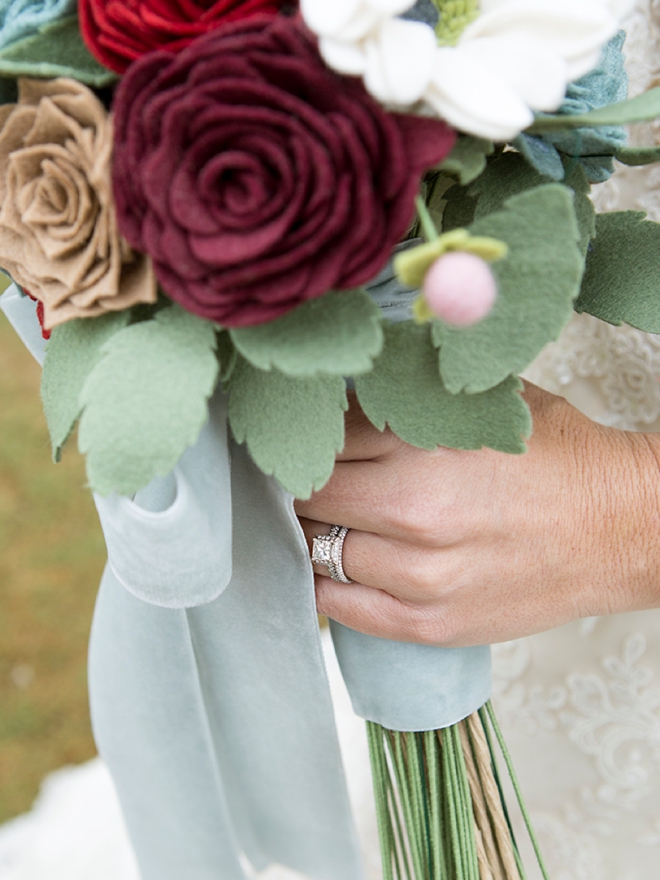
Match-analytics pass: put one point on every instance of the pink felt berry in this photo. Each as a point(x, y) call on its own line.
point(460, 288)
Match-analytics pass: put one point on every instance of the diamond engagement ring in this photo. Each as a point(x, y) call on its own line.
point(328, 549)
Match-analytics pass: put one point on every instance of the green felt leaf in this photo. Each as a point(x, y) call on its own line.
point(638, 155)
point(505, 176)
point(585, 213)
point(405, 392)
point(227, 356)
point(72, 351)
point(639, 109)
point(467, 159)
point(145, 401)
point(56, 49)
point(622, 279)
point(293, 426)
point(459, 208)
point(537, 283)
point(337, 334)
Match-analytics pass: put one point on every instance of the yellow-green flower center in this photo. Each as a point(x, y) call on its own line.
point(455, 16)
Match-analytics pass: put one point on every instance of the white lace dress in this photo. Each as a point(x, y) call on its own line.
point(580, 705)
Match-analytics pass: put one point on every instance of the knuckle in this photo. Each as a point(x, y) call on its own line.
point(415, 515)
point(428, 627)
point(418, 573)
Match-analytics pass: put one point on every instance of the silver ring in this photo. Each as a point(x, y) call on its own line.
point(328, 550)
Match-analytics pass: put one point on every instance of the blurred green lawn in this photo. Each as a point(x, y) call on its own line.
point(51, 558)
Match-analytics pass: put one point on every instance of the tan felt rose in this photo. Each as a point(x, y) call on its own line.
point(58, 228)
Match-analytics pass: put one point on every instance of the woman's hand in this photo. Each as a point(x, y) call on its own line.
point(460, 548)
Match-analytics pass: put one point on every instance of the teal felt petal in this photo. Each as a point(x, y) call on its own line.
point(56, 49)
point(72, 351)
point(467, 159)
point(293, 427)
point(639, 109)
point(405, 392)
point(591, 148)
point(338, 334)
point(622, 279)
point(145, 401)
point(537, 283)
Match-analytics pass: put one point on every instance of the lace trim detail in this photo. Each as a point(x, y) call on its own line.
point(625, 363)
point(612, 720)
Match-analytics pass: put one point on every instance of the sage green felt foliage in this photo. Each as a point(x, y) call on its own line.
point(585, 213)
point(338, 334)
point(467, 159)
point(507, 175)
point(404, 391)
point(293, 426)
point(638, 155)
point(227, 356)
point(72, 351)
point(622, 279)
point(57, 49)
point(639, 109)
point(537, 283)
point(145, 400)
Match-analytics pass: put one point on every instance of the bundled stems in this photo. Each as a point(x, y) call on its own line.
point(441, 811)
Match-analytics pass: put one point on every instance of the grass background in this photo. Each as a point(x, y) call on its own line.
point(51, 558)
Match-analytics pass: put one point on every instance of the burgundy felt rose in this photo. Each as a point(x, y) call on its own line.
point(119, 31)
point(256, 178)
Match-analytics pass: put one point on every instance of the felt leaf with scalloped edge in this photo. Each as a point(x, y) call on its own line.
point(638, 109)
point(145, 400)
point(621, 283)
point(338, 333)
point(56, 49)
point(405, 392)
point(467, 159)
point(72, 351)
point(537, 283)
point(293, 426)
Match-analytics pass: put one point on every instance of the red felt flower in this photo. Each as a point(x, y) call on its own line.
point(256, 178)
point(40, 314)
point(119, 31)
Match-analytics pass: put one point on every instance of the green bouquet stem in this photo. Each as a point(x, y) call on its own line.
point(440, 804)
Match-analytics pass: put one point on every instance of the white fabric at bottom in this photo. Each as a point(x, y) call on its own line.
point(76, 831)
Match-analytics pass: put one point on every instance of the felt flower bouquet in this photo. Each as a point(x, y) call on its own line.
point(245, 192)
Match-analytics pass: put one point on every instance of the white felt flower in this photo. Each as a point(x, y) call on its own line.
point(396, 60)
point(518, 56)
point(365, 38)
point(349, 20)
point(514, 58)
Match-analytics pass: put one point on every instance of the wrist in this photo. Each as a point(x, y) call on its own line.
point(631, 521)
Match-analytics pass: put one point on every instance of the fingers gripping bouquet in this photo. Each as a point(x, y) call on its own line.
point(250, 202)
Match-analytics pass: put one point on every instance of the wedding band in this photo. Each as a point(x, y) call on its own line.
point(328, 550)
